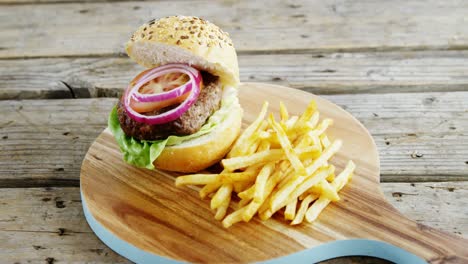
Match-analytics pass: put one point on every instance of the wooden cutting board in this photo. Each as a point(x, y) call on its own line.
point(141, 214)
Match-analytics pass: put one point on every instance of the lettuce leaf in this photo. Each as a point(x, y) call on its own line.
point(142, 153)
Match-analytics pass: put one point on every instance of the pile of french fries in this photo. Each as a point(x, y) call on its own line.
point(276, 166)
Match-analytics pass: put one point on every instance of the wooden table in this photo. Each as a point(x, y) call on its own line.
point(400, 67)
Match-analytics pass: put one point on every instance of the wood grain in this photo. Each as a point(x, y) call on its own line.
point(41, 223)
point(42, 142)
point(336, 73)
point(71, 29)
point(138, 207)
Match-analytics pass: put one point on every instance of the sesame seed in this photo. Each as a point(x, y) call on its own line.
point(184, 37)
point(192, 32)
point(199, 34)
point(211, 36)
point(145, 29)
point(178, 42)
point(150, 37)
point(142, 35)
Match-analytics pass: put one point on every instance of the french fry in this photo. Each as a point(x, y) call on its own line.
point(266, 156)
point(339, 182)
point(241, 186)
point(222, 209)
point(326, 155)
point(306, 116)
point(221, 195)
point(243, 202)
point(321, 127)
point(283, 198)
point(265, 215)
point(283, 113)
point(286, 145)
point(209, 188)
point(290, 210)
point(303, 209)
point(197, 179)
point(240, 145)
point(233, 218)
point(261, 181)
point(308, 125)
point(325, 141)
point(328, 191)
point(289, 124)
point(251, 210)
point(264, 145)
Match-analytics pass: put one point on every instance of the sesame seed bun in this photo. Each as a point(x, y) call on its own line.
point(185, 39)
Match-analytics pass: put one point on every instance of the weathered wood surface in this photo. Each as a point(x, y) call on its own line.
point(420, 137)
point(383, 72)
point(71, 29)
point(40, 223)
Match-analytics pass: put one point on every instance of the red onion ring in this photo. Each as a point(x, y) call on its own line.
point(171, 115)
point(176, 92)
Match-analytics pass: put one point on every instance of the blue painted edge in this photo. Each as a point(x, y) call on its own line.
point(340, 248)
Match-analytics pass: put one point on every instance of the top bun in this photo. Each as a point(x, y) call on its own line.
point(185, 39)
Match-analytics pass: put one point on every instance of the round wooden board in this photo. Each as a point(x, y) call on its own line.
point(141, 214)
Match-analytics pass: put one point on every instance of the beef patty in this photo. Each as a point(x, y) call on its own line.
point(188, 123)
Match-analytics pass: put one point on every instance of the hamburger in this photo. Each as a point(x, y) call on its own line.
point(181, 114)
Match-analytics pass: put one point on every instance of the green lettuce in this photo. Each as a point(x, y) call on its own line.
point(142, 153)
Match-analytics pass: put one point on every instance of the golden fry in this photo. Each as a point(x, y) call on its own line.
point(290, 210)
point(303, 209)
point(221, 195)
point(283, 112)
point(222, 209)
point(308, 113)
point(233, 218)
point(286, 145)
point(261, 181)
point(266, 156)
point(241, 143)
point(339, 182)
point(197, 179)
point(251, 210)
point(209, 188)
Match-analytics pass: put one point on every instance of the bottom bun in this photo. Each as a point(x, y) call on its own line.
point(202, 152)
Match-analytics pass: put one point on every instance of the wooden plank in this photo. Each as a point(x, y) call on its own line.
point(380, 72)
point(47, 226)
point(44, 141)
point(259, 26)
point(41, 223)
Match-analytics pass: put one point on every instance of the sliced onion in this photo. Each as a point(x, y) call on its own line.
point(192, 88)
point(166, 95)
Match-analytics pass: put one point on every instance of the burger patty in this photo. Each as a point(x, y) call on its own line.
point(188, 123)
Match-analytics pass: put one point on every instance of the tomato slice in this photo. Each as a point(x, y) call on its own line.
point(152, 106)
point(161, 84)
